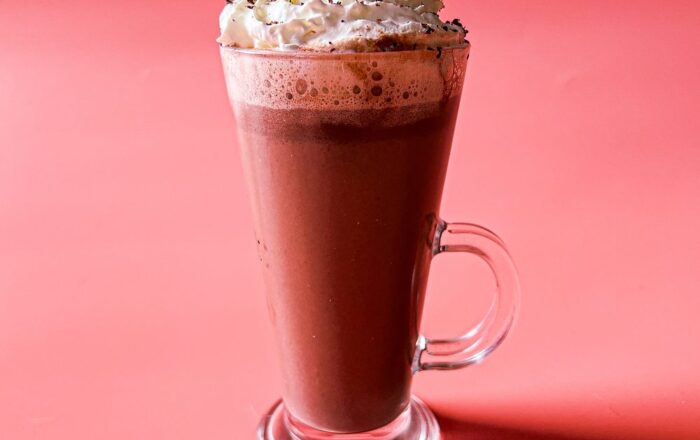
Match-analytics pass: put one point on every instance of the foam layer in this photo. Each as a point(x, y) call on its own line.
point(331, 82)
point(330, 25)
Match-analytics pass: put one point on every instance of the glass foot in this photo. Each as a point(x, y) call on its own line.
point(417, 422)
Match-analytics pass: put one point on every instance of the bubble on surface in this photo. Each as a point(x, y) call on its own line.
point(301, 86)
point(342, 82)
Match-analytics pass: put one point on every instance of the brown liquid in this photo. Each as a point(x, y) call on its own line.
point(345, 216)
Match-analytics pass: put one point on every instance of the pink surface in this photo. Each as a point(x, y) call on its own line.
point(131, 305)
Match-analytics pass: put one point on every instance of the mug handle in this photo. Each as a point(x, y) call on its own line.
point(473, 346)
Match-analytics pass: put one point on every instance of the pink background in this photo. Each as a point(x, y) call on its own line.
point(130, 301)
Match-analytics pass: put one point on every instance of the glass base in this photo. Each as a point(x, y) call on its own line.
point(417, 422)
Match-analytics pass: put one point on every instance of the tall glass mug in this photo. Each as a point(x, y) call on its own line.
point(345, 156)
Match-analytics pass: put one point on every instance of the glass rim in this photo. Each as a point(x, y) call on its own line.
point(276, 53)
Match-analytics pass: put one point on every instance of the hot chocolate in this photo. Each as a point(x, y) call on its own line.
point(345, 113)
point(345, 162)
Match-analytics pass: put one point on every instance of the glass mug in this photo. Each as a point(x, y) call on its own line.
point(345, 156)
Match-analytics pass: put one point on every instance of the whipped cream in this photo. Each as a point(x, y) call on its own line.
point(346, 25)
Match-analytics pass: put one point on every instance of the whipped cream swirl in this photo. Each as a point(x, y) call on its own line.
point(345, 25)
